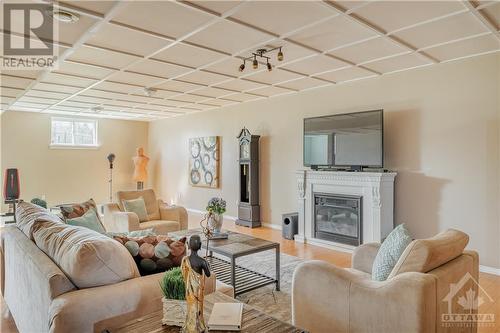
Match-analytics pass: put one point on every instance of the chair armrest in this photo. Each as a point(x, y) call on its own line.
point(325, 296)
point(363, 257)
point(174, 213)
point(117, 221)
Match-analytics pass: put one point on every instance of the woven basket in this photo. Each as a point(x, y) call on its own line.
point(174, 312)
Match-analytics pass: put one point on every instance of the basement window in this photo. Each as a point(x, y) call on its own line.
point(73, 133)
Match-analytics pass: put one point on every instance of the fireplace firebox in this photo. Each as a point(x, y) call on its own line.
point(338, 218)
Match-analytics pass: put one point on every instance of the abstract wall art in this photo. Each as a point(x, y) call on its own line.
point(204, 153)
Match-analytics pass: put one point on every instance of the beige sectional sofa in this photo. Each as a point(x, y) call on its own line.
point(60, 278)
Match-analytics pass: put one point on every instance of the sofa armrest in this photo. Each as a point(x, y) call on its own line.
point(325, 296)
point(117, 221)
point(105, 307)
point(363, 257)
point(174, 213)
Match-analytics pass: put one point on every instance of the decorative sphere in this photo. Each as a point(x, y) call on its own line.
point(164, 264)
point(148, 265)
point(147, 250)
point(132, 247)
point(162, 250)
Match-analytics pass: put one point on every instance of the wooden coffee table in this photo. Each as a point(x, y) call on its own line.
point(254, 321)
point(237, 245)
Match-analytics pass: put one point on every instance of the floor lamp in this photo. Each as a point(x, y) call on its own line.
point(111, 158)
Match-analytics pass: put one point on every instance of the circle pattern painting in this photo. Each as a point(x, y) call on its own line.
point(204, 161)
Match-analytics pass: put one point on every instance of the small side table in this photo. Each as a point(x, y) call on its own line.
point(7, 219)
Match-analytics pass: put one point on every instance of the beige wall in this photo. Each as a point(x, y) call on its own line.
point(68, 175)
point(441, 135)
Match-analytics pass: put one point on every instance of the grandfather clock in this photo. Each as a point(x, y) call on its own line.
point(248, 174)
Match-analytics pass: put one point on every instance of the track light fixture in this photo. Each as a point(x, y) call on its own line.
point(261, 54)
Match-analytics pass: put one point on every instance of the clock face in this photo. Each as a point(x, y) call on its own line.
point(245, 150)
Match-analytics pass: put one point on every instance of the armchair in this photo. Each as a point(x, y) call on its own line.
point(161, 218)
point(326, 298)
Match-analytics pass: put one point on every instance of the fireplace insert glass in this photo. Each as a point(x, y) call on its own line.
point(338, 218)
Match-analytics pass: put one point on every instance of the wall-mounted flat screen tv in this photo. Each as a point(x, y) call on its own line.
point(345, 140)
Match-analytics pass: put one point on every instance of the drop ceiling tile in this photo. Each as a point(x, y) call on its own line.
point(101, 57)
point(275, 76)
point(175, 85)
point(89, 99)
point(77, 104)
point(100, 7)
point(290, 51)
point(104, 94)
point(56, 88)
point(465, 48)
point(272, 16)
point(240, 85)
point(229, 66)
point(233, 40)
point(369, 50)
point(14, 81)
point(83, 70)
point(448, 29)
point(347, 74)
point(163, 17)
point(315, 64)
point(398, 63)
point(240, 97)
point(158, 68)
point(350, 4)
point(189, 98)
point(333, 33)
point(62, 79)
point(305, 83)
point(38, 100)
point(46, 94)
point(21, 72)
point(165, 93)
point(16, 107)
point(493, 13)
point(392, 15)
point(212, 92)
point(205, 78)
point(112, 36)
point(188, 55)
point(11, 92)
point(139, 98)
point(172, 103)
point(70, 33)
point(135, 79)
point(6, 99)
point(122, 104)
point(117, 87)
point(270, 91)
point(217, 6)
point(219, 102)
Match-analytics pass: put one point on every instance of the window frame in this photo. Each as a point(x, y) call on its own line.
point(72, 145)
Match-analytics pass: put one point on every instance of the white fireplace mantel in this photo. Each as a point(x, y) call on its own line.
point(375, 188)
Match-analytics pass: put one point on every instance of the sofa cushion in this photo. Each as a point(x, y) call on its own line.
point(137, 206)
point(389, 252)
point(149, 197)
point(70, 211)
point(30, 216)
point(87, 220)
point(88, 258)
point(423, 255)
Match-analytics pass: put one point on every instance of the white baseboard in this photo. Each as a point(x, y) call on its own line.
point(489, 270)
point(271, 225)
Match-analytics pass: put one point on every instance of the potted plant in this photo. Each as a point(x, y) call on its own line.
point(216, 208)
point(174, 297)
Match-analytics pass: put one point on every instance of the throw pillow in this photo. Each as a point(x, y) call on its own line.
point(137, 206)
point(154, 254)
point(87, 220)
point(70, 211)
point(391, 249)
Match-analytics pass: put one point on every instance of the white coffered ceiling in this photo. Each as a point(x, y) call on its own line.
point(189, 51)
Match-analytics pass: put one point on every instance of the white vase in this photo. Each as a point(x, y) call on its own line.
point(174, 312)
point(215, 222)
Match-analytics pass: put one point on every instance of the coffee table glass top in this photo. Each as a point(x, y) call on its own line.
point(235, 245)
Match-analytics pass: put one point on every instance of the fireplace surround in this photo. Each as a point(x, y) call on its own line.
point(352, 208)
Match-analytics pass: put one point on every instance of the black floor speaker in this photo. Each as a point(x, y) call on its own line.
point(11, 189)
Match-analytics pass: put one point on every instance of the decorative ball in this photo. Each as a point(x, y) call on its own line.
point(164, 264)
point(148, 265)
point(162, 250)
point(147, 250)
point(132, 247)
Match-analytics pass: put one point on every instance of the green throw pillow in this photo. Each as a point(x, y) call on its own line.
point(137, 206)
point(388, 255)
point(87, 220)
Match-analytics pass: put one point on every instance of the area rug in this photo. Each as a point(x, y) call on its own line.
point(267, 299)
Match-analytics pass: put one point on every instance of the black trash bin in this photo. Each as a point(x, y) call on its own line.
point(289, 225)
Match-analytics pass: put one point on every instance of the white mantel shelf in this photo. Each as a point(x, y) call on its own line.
point(375, 188)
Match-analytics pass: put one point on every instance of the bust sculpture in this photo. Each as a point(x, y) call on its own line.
point(140, 168)
point(194, 270)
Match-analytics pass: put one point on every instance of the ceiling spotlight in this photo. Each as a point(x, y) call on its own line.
point(96, 109)
point(269, 67)
point(280, 55)
point(255, 63)
point(242, 67)
point(65, 16)
point(149, 91)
